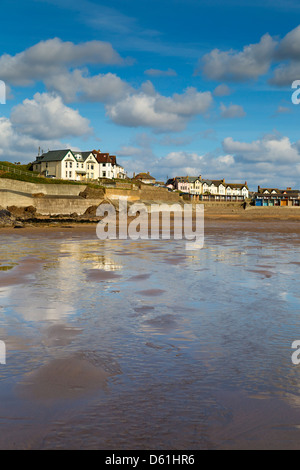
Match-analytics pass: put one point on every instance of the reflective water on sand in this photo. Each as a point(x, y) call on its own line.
point(144, 345)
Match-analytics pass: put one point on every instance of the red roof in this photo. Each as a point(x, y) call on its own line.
point(104, 157)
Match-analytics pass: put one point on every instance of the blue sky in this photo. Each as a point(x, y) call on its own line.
point(173, 87)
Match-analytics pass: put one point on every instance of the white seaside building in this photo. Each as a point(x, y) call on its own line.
point(219, 189)
point(78, 166)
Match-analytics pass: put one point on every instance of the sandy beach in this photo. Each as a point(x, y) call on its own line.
point(89, 324)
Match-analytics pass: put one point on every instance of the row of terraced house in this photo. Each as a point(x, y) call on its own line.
point(272, 197)
point(209, 190)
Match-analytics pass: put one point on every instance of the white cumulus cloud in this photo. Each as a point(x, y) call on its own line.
point(238, 66)
point(46, 117)
point(147, 108)
point(232, 111)
point(50, 57)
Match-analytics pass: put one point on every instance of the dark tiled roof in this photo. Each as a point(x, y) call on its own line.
point(262, 190)
point(187, 179)
point(85, 155)
point(55, 155)
point(281, 195)
point(236, 185)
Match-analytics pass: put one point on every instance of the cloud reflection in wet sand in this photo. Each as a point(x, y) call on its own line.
point(191, 351)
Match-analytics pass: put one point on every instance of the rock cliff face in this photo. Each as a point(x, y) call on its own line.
point(6, 218)
point(92, 193)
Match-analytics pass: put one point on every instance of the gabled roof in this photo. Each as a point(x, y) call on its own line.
point(263, 190)
point(54, 155)
point(218, 182)
point(187, 179)
point(236, 186)
point(144, 176)
point(84, 155)
point(280, 195)
point(104, 157)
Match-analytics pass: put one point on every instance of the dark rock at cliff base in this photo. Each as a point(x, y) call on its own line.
point(18, 224)
point(92, 193)
point(23, 212)
point(6, 218)
point(91, 211)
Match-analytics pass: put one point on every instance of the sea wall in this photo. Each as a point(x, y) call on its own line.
point(48, 189)
point(15, 198)
point(62, 205)
point(64, 199)
point(150, 194)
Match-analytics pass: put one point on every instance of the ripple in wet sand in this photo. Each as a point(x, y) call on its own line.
point(100, 275)
point(163, 323)
point(139, 277)
point(263, 273)
point(151, 292)
point(20, 274)
point(175, 261)
point(63, 379)
point(60, 335)
point(144, 309)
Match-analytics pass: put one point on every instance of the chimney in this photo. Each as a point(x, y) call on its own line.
point(258, 189)
point(246, 183)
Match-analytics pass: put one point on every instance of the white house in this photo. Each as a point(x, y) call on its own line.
point(57, 163)
point(78, 166)
point(86, 166)
point(108, 166)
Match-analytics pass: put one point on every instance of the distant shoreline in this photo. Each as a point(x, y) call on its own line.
point(212, 213)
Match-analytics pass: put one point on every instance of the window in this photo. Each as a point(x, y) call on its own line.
point(104, 164)
point(70, 174)
point(77, 165)
point(81, 165)
point(66, 174)
point(88, 167)
point(71, 164)
point(92, 176)
point(46, 165)
point(66, 164)
point(104, 174)
point(92, 167)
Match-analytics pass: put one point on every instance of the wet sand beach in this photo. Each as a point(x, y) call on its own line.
point(142, 344)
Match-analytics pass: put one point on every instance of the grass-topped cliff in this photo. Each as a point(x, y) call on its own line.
point(21, 173)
